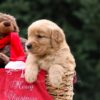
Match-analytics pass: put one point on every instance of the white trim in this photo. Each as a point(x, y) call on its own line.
point(15, 65)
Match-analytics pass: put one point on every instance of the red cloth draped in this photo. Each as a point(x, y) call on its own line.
point(16, 49)
point(4, 41)
point(14, 87)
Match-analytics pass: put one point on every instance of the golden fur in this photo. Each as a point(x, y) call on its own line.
point(47, 49)
point(6, 18)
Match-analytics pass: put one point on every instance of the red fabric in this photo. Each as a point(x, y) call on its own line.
point(4, 41)
point(14, 87)
point(16, 49)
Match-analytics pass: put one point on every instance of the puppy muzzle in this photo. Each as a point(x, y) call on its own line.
point(29, 46)
point(6, 23)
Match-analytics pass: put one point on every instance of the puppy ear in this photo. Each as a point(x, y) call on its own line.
point(14, 23)
point(56, 38)
point(16, 28)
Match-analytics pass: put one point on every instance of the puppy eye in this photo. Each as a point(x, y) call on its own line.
point(39, 36)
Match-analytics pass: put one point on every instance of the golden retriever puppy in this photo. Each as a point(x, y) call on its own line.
point(47, 49)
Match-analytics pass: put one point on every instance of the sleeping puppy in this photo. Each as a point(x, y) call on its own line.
point(47, 49)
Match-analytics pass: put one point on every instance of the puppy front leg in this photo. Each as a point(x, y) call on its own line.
point(56, 73)
point(31, 69)
point(4, 58)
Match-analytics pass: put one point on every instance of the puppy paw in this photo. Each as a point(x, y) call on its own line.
point(4, 57)
point(55, 80)
point(30, 76)
point(56, 73)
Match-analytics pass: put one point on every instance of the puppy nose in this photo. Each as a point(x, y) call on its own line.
point(29, 46)
point(7, 23)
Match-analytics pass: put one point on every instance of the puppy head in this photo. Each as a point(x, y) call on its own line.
point(44, 37)
point(8, 24)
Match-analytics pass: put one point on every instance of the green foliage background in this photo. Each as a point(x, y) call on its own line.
point(80, 20)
